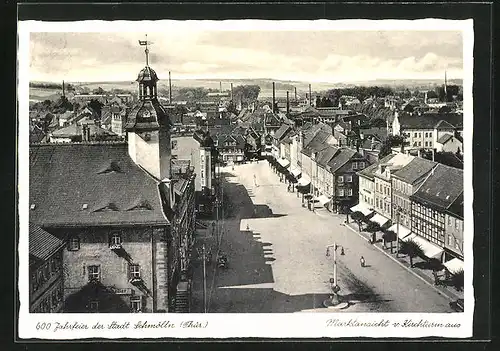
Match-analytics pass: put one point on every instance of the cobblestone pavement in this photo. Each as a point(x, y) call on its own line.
point(279, 263)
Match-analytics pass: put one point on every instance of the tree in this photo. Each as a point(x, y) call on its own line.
point(318, 102)
point(373, 228)
point(389, 236)
point(457, 280)
point(390, 142)
point(99, 91)
point(412, 249)
point(358, 217)
point(246, 93)
point(96, 105)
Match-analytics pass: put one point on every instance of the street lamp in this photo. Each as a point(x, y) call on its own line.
point(398, 213)
point(335, 299)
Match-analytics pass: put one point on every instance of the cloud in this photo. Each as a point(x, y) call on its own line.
point(322, 55)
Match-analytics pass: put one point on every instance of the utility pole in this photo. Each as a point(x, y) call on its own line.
point(397, 232)
point(204, 280)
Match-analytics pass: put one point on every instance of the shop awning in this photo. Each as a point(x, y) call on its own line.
point(379, 219)
point(403, 232)
point(364, 209)
point(430, 250)
point(454, 265)
point(283, 162)
point(322, 199)
point(295, 172)
point(304, 181)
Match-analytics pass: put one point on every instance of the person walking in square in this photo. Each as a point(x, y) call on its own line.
point(362, 261)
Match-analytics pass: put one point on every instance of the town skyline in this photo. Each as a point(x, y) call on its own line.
point(310, 56)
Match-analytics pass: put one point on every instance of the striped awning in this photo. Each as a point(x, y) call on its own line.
point(403, 232)
point(283, 162)
point(296, 172)
point(430, 250)
point(322, 199)
point(361, 207)
point(379, 219)
point(304, 181)
point(454, 265)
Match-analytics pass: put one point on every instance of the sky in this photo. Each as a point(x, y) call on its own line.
point(198, 53)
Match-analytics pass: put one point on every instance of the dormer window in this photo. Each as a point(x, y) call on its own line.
point(32, 206)
point(115, 239)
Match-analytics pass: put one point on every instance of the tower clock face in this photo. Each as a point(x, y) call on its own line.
point(146, 114)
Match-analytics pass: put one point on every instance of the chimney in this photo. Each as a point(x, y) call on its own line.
point(220, 86)
point(295, 89)
point(169, 192)
point(169, 89)
point(63, 89)
point(83, 132)
point(287, 104)
point(310, 95)
point(425, 98)
point(274, 97)
point(445, 86)
point(231, 91)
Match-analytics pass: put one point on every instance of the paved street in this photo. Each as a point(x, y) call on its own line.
point(279, 264)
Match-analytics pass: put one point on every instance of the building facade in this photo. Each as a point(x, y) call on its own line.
point(46, 283)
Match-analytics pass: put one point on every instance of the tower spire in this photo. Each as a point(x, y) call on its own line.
point(146, 43)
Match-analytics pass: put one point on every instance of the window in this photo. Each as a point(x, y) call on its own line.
point(419, 135)
point(425, 134)
point(134, 271)
point(116, 239)
point(340, 179)
point(419, 143)
point(456, 223)
point(361, 165)
point(94, 273)
point(449, 221)
point(354, 165)
point(94, 306)
point(349, 192)
point(450, 240)
point(348, 178)
point(426, 143)
point(414, 135)
point(136, 304)
point(340, 192)
point(74, 244)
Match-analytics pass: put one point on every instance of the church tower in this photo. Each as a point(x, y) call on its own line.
point(148, 126)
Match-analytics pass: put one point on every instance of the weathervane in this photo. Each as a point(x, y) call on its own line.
point(146, 43)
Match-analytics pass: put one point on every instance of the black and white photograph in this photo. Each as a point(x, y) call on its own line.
point(184, 172)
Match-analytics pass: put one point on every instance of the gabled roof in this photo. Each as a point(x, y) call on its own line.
point(441, 188)
point(75, 185)
point(320, 141)
point(75, 130)
point(282, 132)
point(380, 134)
point(340, 159)
point(430, 120)
point(324, 156)
point(444, 138)
point(42, 245)
point(369, 172)
point(414, 170)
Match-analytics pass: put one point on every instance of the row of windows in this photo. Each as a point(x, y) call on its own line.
point(458, 223)
point(44, 273)
point(347, 178)
point(382, 188)
point(402, 187)
point(383, 205)
point(135, 305)
point(454, 242)
point(419, 135)
point(347, 192)
point(358, 165)
point(52, 301)
point(94, 272)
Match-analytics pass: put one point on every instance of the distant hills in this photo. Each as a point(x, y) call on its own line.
point(266, 84)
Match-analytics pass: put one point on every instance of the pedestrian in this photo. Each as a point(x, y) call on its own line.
point(362, 261)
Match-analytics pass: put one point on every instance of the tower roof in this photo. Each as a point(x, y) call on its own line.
point(147, 74)
point(147, 115)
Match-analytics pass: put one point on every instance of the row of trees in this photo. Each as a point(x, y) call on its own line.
point(360, 92)
point(409, 247)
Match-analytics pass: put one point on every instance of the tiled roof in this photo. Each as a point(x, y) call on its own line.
point(88, 184)
point(430, 120)
point(341, 159)
point(442, 187)
point(457, 207)
point(370, 170)
point(414, 170)
point(317, 143)
point(324, 156)
point(378, 133)
point(42, 244)
point(281, 132)
point(75, 130)
point(444, 138)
